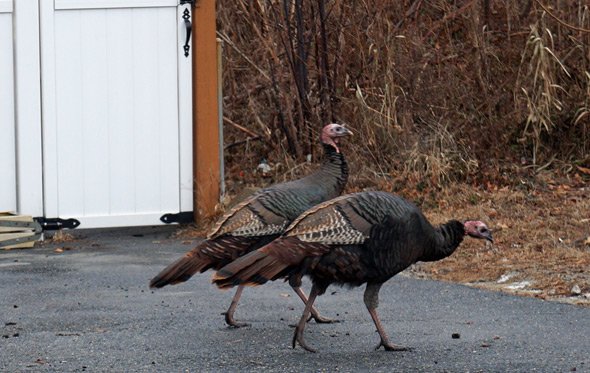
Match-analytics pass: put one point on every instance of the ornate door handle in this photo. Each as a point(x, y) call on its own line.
point(186, 16)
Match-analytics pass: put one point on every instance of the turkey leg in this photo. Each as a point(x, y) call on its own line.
point(315, 314)
point(371, 298)
point(229, 314)
point(298, 335)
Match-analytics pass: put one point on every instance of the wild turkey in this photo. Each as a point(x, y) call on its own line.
point(365, 237)
point(263, 217)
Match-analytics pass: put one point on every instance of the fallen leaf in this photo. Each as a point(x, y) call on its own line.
point(584, 170)
point(59, 250)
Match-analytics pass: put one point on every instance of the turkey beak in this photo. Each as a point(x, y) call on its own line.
point(347, 132)
point(488, 236)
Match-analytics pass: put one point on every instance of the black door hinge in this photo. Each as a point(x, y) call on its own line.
point(184, 217)
point(54, 224)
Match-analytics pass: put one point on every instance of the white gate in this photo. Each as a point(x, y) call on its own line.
point(116, 107)
point(7, 118)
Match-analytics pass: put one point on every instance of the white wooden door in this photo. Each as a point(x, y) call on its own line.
point(7, 117)
point(117, 143)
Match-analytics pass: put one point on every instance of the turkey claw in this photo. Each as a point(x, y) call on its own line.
point(391, 347)
point(229, 320)
point(319, 320)
point(324, 320)
point(298, 337)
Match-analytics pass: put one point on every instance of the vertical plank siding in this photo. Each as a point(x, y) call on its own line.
point(7, 123)
point(27, 106)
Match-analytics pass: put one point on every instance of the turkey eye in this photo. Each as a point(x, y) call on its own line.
point(483, 230)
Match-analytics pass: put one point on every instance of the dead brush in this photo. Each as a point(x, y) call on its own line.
point(386, 68)
point(582, 115)
point(438, 157)
point(379, 128)
point(538, 81)
point(61, 236)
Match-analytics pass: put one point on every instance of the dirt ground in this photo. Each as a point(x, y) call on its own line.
point(542, 240)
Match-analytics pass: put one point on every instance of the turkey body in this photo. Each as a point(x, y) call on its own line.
point(261, 218)
point(359, 238)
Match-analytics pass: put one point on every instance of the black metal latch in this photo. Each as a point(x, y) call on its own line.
point(184, 217)
point(53, 224)
point(186, 15)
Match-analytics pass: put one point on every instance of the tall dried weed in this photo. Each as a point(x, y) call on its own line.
point(539, 68)
point(435, 91)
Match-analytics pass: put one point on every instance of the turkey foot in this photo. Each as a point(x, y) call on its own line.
point(315, 314)
point(231, 322)
point(298, 338)
point(319, 319)
point(229, 314)
point(391, 347)
point(298, 335)
point(371, 298)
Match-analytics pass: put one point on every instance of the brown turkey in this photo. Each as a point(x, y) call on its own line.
point(263, 217)
point(365, 237)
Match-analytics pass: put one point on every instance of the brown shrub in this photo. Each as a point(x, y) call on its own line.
point(435, 91)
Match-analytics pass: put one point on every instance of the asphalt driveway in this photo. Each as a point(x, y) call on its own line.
point(87, 307)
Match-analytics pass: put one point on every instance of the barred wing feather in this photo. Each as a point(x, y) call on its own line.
point(249, 218)
point(348, 219)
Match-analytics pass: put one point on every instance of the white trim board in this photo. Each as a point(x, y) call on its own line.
point(27, 75)
point(6, 6)
point(7, 116)
point(103, 4)
point(185, 102)
point(120, 220)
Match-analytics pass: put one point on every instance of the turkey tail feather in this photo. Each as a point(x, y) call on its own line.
point(213, 253)
point(253, 269)
point(181, 270)
point(270, 262)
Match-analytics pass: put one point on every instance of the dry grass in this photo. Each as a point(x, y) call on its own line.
point(62, 236)
point(436, 91)
point(541, 236)
point(543, 96)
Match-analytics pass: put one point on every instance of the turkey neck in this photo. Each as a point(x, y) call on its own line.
point(334, 164)
point(447, 237)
